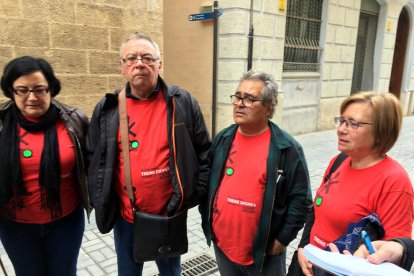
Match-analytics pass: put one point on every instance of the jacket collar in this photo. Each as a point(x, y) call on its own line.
point(6, 105)
point(154, 91)
point(169, 92)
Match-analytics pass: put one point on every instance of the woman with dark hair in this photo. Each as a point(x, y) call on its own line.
point(42, 175)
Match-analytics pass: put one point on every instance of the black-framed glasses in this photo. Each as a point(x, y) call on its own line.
point(349, 123)
point(144, 59)
point(24, 92)
point(246, 101)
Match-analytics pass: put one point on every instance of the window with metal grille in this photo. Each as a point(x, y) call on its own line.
point(303, 25)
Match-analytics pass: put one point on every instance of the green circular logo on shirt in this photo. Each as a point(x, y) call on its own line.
point(229, 171)
point(134, 144)
point(27, 153)
point(318, 201)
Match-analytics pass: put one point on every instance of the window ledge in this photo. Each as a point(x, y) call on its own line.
point(301, 75)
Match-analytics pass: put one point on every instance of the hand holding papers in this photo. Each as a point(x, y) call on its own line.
point(339, 264)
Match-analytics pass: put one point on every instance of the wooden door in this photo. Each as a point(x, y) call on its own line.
point(400, 50)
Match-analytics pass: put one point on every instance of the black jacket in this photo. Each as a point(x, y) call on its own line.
point(287, 195)
point(76, 123)
point(189, 145)
point(407, 261)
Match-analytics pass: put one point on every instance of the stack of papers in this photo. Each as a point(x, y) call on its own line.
point(339, 264)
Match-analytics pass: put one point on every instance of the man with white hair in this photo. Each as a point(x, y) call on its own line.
point(168, 151)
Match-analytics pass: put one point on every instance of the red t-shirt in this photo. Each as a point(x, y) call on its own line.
point(31, 147)
point(352, 194)
point(238, 202)
point(149, 155)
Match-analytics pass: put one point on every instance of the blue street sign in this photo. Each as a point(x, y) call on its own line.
point(204, 16)
point(200, 16)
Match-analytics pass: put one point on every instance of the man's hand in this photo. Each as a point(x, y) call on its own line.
point(304, 263)
point(276, 248)
point(385, 251)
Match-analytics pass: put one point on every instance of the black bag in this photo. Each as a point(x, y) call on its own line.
point(157, 237)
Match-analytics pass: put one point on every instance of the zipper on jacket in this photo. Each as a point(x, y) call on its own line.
point(175, 157)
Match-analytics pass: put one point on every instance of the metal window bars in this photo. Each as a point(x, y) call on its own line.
point(303, 23)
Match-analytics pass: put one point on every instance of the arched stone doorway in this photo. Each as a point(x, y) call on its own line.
point(400, 50)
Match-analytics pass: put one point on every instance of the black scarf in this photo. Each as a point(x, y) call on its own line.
point(11, 182)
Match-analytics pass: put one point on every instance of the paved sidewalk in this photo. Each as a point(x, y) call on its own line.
point(97, 256)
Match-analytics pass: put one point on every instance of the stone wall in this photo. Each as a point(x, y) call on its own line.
point(79, 38)
point(392, 13)
point(309, 101)
point(339, 50)
point(337, 62)
point(269, 30)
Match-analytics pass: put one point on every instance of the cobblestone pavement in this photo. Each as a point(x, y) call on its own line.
point(97, 255)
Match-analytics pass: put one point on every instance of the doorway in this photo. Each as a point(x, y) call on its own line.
point(363, 74)
point(400, 50)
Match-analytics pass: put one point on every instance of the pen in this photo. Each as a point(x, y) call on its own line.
point(367, 241)
point(279, 174)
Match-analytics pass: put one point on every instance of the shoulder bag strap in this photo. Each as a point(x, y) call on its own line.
point(338, 161)
point(123, 131)
point(310, 218)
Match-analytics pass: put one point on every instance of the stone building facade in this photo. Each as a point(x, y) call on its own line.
point(309, 99)
point(80, 39)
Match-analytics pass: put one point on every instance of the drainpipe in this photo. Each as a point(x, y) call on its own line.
point(250, 39)
point(214, 88)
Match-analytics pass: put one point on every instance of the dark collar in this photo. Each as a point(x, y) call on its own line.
point(156, 89)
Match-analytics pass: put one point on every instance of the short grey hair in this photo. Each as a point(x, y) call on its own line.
point(140, 36)
point(269, 92)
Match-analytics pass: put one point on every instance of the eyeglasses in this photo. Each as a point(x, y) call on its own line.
point(246, 101)
point(352, 123)
point(145, 60)
point(24, 92)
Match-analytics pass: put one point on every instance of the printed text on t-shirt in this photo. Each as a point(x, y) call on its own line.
point(249, 207)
